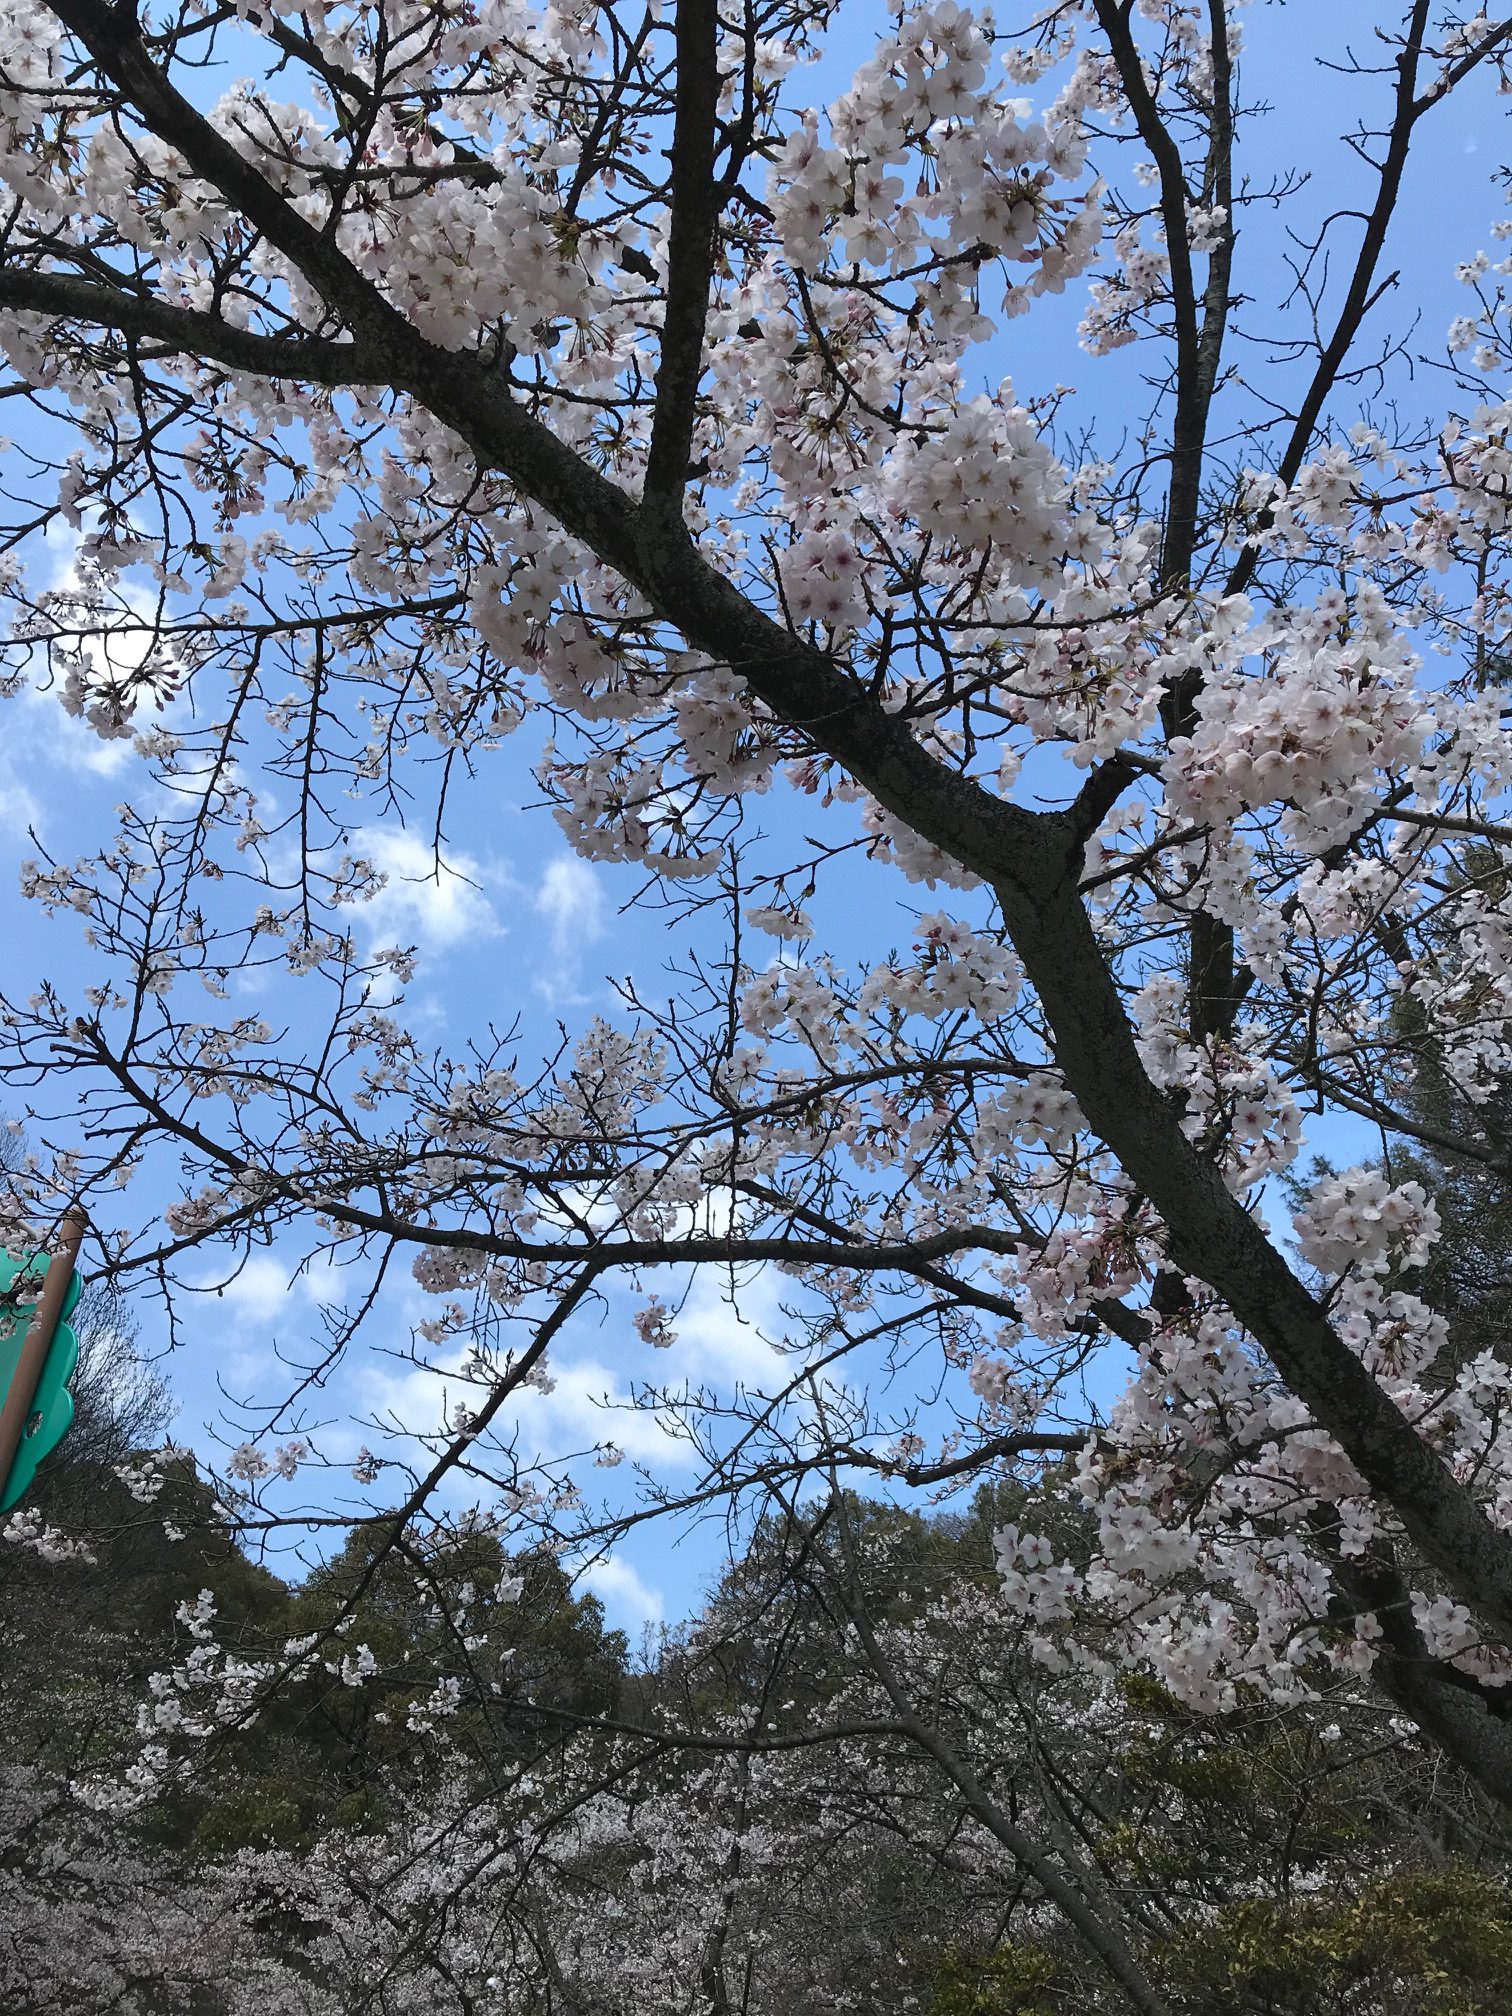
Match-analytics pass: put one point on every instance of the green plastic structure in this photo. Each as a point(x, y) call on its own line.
point(52, 1409)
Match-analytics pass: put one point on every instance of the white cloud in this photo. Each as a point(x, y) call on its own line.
point(591, 1401)
point(266, 1285)
point(438, 903)
point(723, 1340)
point(20, 808)
point(589, 1405)
point(129, 624)
point(265, 1302)
point(627, 1600)
point(258, 1293)
point(41, 738)
point(572, 902)
point(56, 753)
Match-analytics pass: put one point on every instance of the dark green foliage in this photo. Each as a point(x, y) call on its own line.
point(1427, 1942)
point(1013, 1980)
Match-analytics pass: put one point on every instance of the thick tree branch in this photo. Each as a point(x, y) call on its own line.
point(1212, 1237)
point(996, 1449)
point(1469, 1723)
point(188, 332)
point(695, 202)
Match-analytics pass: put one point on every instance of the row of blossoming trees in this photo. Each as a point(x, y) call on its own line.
point(548, 372)
point(742, 1819)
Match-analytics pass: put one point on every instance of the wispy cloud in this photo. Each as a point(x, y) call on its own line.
point(571, 901)
point(724, 1340)
point(265, 1286)
point(627, 1600)
point(20, 808)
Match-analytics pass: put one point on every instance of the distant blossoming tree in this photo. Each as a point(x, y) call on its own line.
point(474, 366)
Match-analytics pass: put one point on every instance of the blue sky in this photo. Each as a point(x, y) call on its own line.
point(523, 930)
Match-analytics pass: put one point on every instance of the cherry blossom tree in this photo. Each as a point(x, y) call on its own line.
point(495, 370)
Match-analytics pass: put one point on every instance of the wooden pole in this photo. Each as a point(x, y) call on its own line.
point(46, 1313)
